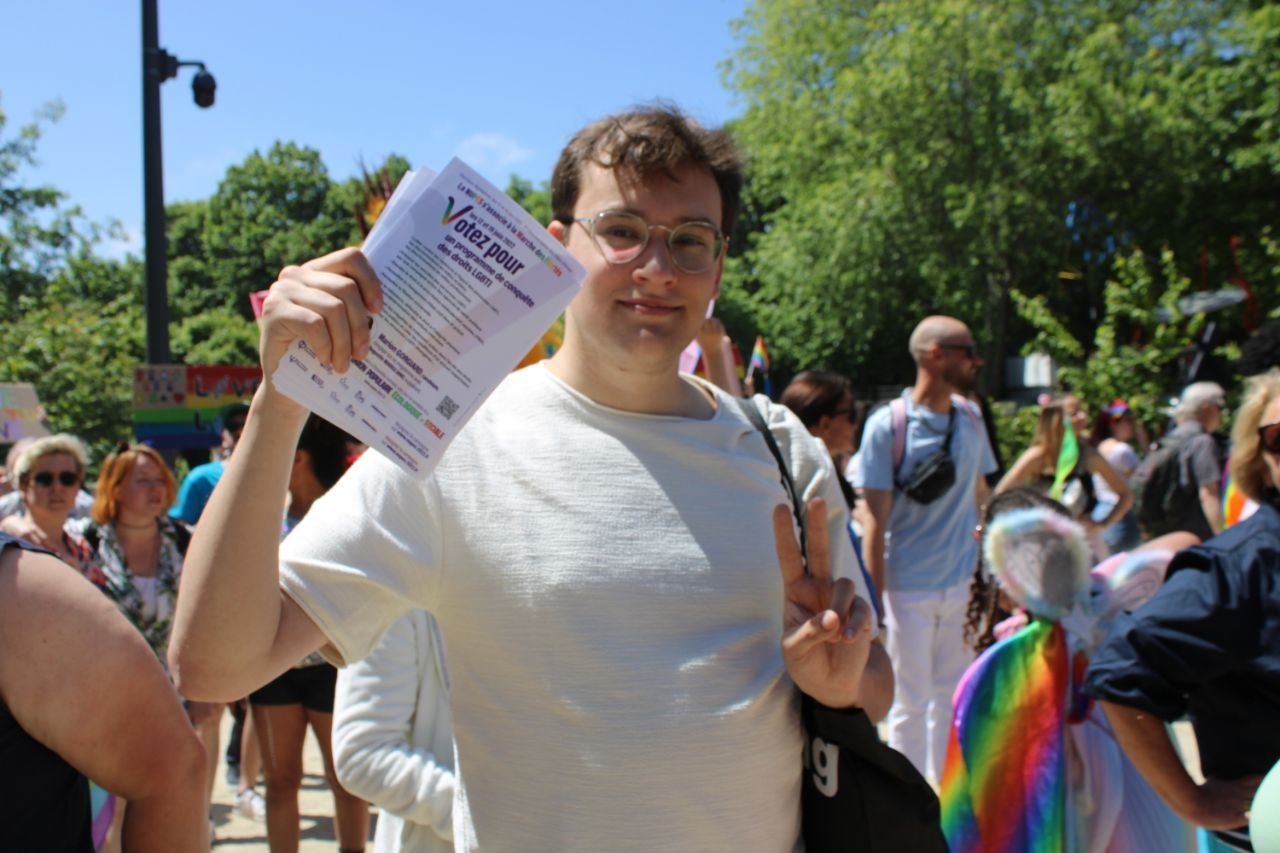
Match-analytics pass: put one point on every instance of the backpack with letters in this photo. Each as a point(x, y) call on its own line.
point(1161, 500)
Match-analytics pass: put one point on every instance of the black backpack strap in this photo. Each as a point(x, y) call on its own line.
point(752, 414)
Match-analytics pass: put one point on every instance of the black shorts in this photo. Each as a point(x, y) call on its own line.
point(311, 687)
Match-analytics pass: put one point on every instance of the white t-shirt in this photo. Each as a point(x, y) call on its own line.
point(1121, 457)
point(609, 594)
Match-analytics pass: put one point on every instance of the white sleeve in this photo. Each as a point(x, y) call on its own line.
point(366, 552)
point(377, 702)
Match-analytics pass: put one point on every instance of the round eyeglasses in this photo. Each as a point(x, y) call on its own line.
point(695, 247)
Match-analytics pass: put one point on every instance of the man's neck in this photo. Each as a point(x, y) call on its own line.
point(653, 391)
point(931, 392)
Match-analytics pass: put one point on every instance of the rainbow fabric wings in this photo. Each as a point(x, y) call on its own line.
point(1004, 786)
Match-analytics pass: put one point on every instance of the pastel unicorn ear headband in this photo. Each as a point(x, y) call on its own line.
point(1041, 560)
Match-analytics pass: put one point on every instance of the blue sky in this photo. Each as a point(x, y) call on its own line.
point(501, 84)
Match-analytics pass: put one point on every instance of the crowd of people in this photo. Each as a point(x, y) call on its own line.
point(602, 603)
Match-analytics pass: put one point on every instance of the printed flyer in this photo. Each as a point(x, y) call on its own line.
point(470, 282)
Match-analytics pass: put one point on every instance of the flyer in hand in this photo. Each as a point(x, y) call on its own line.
point(470, 282)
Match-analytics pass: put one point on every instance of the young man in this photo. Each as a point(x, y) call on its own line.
point(922, 554)
point(594, 544)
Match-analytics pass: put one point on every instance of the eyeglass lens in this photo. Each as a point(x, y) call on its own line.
point(66, 478)
point(621, 237)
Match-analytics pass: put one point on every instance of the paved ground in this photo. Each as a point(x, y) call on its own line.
point(315, 803)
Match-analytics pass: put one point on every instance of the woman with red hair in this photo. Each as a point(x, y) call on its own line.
point(135, 549)
point(134, 555)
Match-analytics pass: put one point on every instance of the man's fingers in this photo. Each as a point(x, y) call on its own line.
point(784, 541)
point(337, 302)
point(843, 594)
point(861, 618)
point(816, 540)
point(290, 322)
point(814, 631)
point(352, 264)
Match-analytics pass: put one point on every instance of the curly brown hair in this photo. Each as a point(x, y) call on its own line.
point(985, 609)
point(646, 141)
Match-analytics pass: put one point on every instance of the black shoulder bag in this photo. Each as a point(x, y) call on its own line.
point(857, 793)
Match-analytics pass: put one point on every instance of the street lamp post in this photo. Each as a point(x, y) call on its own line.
point(157, 66)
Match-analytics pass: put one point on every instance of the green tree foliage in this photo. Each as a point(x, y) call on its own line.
point(37, 231)
point(78, 342)
point(271, 210)
point(535, 200)
point(1136, 349)
point(936, 155)
point(75, 324)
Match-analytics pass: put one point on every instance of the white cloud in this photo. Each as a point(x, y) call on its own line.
point(492, 150)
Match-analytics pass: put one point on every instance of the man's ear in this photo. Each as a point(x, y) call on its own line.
point(559, 231)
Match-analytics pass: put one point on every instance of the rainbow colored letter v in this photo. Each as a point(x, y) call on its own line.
point(446, 219)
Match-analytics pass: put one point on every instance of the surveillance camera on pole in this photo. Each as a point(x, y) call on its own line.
point(202, 87)
point(159, 65)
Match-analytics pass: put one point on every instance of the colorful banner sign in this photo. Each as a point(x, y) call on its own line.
point(177, 406)
point(21, 415)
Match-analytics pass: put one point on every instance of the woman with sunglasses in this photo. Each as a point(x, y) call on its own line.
point(1205, 646)
point(1114, 431)
point(49, 473)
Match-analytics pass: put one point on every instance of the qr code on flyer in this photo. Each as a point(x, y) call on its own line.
point(447, 407)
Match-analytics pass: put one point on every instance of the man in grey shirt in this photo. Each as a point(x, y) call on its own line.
point(1198, 414)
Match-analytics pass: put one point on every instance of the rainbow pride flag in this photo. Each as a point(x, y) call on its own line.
point(1004, 784)
point(760, 361)
point(759, 357)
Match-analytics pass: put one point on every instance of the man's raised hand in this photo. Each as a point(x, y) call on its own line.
point(326, 302)
point(826, 632)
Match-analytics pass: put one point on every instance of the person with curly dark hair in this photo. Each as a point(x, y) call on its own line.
point(988, 607)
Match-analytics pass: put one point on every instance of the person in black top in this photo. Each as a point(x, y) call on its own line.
point(81, 694)
point(1207, 645)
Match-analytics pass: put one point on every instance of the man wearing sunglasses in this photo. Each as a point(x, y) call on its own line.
point(919, 549)
point(598, 545)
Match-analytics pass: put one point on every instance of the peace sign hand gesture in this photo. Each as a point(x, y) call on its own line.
point(826, 633)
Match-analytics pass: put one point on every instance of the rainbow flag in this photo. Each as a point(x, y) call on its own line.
point(760, 361)
point(759, 357)
point(1004, 784)
point(1068, 456)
